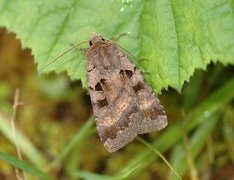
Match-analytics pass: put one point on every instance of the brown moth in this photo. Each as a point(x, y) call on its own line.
point(123, 103)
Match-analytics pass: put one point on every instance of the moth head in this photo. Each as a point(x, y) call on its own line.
point(96, 38)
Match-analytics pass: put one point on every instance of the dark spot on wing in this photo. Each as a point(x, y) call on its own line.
point(109, 132)
point(122, 124)
point(105, 85)
point(121, 72)
point(102, 103)
point(98, 87)
point(125, 75)
point(103, 81)
point(153, 113)
point(129, 73)
point(124, 120)
point(139, 86)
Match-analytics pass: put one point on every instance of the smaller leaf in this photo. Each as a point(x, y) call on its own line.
point(196, 143)
point(23, 166)
point(160, 155)
point(89, 176)
point(77, 138)
point(127, 172)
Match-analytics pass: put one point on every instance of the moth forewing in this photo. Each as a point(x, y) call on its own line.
point(123, 103)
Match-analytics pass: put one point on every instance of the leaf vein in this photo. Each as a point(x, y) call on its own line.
point(177, 48)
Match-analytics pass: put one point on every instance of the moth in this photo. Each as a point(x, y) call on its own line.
point(123, 103)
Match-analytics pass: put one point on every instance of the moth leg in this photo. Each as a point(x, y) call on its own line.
point(83, 50)
point(119, 35)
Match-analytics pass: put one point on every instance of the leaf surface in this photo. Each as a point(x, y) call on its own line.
point(170, 38)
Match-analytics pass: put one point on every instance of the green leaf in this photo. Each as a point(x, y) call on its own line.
point(23, 165)
point(90, 176)
point(173, 36)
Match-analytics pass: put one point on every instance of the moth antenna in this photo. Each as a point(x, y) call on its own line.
point(74, 47)
point(123, 49)
point(130, 54)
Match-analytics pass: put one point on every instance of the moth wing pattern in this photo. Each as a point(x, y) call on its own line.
point(123, 103)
